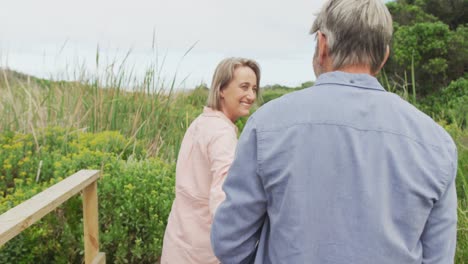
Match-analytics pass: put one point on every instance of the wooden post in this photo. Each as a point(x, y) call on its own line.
point(90, 222)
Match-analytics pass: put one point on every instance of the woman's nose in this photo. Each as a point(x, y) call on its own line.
point(251, 94)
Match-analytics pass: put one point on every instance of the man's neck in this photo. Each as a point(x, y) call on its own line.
point(364, 69)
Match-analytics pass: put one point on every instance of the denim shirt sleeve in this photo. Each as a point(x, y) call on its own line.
point(440, 233)
point(238, 220)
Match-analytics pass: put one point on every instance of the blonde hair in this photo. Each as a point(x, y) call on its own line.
point(224, 74)
point(357, 31)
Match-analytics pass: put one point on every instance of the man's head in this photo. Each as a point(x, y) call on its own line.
point(352, 33)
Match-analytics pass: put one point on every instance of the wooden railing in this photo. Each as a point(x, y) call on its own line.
point(27, 213)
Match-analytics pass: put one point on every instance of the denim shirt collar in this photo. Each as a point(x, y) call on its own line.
point(357, 80)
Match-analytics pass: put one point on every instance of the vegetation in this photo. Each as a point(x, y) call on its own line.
point(134, 196)
point(131, 130)
point(430, 37)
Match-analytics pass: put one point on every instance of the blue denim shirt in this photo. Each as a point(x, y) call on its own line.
point(342, 172)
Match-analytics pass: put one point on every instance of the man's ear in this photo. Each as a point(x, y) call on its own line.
point(322, 47)
point(387, 54)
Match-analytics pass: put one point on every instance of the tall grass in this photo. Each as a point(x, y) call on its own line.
point(147, 110)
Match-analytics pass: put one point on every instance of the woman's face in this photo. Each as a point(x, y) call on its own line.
point(239, 95)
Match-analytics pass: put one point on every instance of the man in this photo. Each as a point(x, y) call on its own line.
point(342, 172)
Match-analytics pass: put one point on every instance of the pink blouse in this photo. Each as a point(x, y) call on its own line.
point(205, 155)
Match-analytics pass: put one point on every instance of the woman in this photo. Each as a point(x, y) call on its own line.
point(205, 156)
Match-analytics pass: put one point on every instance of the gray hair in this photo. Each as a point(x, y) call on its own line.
point(357, 31)
point(224, 74)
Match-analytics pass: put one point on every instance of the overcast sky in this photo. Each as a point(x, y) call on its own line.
point(55, 37)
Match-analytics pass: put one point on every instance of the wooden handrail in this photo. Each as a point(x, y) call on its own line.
point(17, 219)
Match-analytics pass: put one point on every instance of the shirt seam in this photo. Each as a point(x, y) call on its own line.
point(450, 178)
point(356, 128)
point(195, 195)
point(381, 89)
point(259, 170)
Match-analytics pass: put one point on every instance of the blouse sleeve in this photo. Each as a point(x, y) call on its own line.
point(221, 150)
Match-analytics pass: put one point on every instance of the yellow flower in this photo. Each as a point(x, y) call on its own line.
point(18, 181)
point(129, 187)
point(57, 164)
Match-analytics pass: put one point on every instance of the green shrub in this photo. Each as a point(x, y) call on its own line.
point(134, 207)
point(450, 104)
point(135, 198)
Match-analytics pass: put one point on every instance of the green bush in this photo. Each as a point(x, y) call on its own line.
point(134, 207)
point(135, 198)
point(269, 95)
point(450, 104)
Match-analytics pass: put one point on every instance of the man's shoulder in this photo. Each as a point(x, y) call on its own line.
point(365, 109)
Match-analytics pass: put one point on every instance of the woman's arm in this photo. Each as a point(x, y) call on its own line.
point(221, 150)
point(239, 219)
